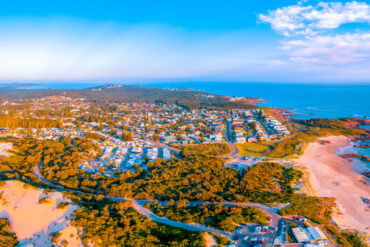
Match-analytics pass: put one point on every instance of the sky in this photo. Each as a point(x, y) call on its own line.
point(168, 41)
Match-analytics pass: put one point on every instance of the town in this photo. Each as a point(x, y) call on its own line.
point(131, 134)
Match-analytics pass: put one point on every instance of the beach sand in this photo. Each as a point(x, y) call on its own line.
point(32, 221)
point(333, 176)
point(209, 239)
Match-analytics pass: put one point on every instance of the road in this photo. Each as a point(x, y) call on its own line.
point(140, 209)
point(234, 150)
point(138, 205)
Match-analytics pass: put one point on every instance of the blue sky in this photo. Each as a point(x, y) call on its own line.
point(146, 41)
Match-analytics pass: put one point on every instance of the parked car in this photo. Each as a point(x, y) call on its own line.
point(261, 240)
point(257, 229)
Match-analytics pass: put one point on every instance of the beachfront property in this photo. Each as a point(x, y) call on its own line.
point(254, 125)
point(310, 236)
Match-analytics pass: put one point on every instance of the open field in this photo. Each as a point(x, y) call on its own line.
point(252, 149)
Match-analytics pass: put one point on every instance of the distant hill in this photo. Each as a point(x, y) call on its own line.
point(11, 87)
point(123, 93)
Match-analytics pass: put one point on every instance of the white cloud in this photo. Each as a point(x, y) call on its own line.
point(308, 39)
point(308, 20)
point(338, 49)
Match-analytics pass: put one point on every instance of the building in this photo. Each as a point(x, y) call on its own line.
point(300, 235)
point(315, 234)
point(311, 236)
point(166, 153)
point(168, 139)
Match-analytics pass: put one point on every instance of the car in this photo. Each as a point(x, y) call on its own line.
point(253, 238)
point(257, 229)
point(265, 229)
point(246, 238)
point(261, 240)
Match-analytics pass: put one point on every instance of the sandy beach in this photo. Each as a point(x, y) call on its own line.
point(33, 221)
point(333, 176)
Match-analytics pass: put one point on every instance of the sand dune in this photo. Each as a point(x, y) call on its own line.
point(32, 221)
point(5, 147)
point(209, 239)
point(333, 176)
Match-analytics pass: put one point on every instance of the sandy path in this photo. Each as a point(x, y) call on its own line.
point(333, 176)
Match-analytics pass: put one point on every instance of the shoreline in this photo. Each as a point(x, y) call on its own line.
point(333, 176)
point(358, 165)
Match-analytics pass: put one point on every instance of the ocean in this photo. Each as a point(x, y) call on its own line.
point(307, 100)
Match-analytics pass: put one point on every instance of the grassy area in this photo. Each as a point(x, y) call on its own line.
point(252, 149)
point(287, 149)
point(214, 149)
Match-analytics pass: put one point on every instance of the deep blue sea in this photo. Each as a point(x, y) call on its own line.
point(309, 100)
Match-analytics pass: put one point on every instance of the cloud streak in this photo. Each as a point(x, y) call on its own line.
point(113, 51)
point(338, 49)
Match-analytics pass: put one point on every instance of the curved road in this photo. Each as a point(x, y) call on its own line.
point(138, 206)
point(140, 209)
point(234, 151)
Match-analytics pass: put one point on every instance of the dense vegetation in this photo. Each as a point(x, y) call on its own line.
point(25, 155)
point(192, 177)
point(16, 122)
point(225, 218)
point(353, 239)
point(7, 236)
point(118, 224)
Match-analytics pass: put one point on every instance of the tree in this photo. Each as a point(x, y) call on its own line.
point(155, 137)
